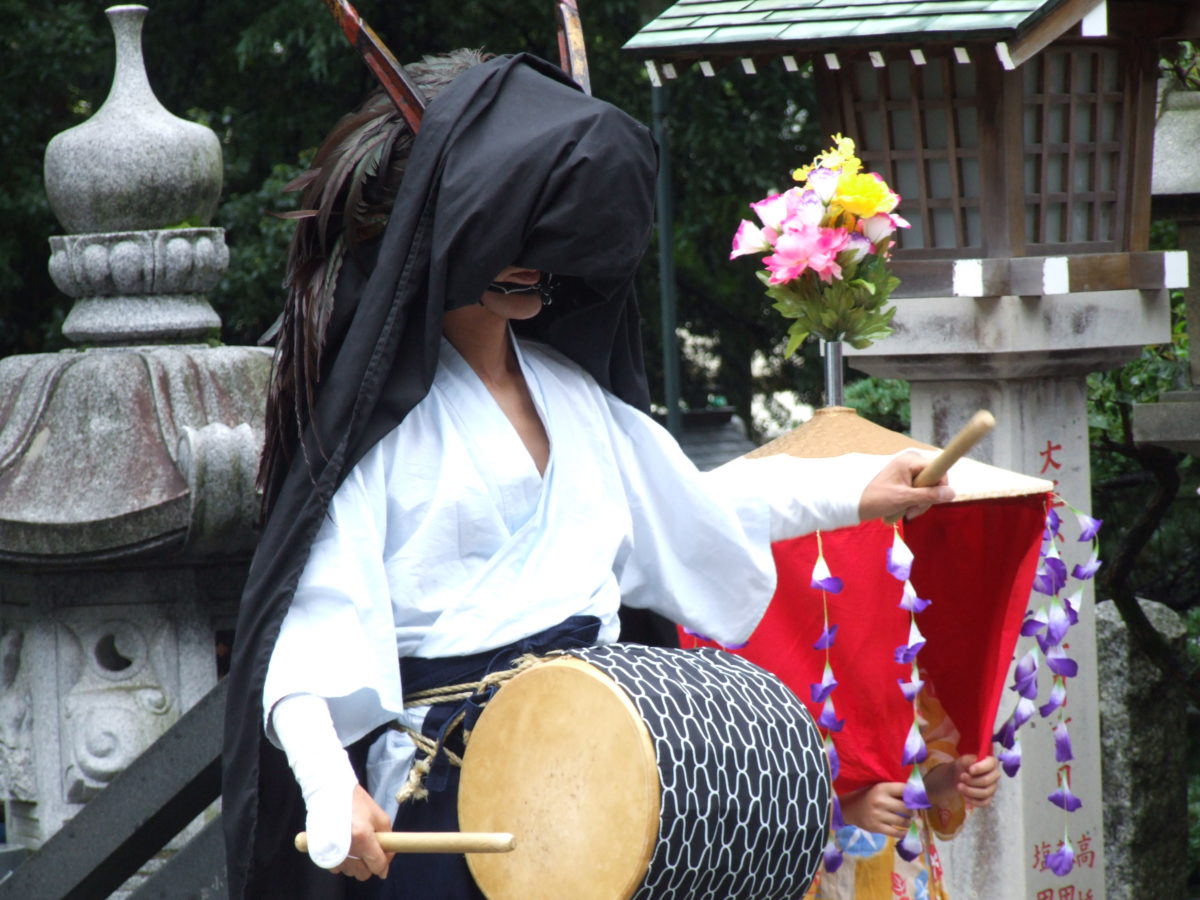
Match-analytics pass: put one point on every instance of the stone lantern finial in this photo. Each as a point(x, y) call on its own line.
point(133, 185)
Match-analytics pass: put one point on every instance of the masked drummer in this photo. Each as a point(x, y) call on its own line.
point(459, 467)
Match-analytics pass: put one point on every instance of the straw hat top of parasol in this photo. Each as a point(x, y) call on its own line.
point(838, 430)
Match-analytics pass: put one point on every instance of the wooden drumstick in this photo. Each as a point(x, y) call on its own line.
point(434, 841)
point(970, 435)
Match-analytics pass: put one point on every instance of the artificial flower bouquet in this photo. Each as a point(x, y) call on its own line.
point(828, 242)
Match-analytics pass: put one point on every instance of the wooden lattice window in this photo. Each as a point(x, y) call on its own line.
point(917, 126)
point(1074, 155)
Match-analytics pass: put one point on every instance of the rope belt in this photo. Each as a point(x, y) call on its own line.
point(472, 696)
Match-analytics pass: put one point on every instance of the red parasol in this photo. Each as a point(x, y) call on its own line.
point(975, 559)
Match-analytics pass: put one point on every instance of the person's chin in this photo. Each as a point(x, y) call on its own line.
point(514, 306)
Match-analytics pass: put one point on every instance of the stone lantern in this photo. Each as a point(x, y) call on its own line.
point(1020, 136)
point(127, 464)
point(1174, 421)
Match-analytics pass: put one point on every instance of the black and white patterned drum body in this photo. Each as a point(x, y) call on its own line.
point(743, 784)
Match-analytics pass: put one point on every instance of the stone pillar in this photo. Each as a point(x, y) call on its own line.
point(1143, 718)
point(1026, 360)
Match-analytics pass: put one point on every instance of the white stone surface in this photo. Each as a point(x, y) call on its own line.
point(1176, 135)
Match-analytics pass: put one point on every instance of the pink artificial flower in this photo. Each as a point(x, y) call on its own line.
point(749, 239)
point(804, 208)
point(807, 247)
point(772, 210)
point(881, 226)
point(858, 246)
point(824, 182)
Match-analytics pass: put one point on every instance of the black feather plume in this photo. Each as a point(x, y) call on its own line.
point(348, 192)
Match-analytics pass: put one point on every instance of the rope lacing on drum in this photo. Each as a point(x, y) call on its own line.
point(472, 692)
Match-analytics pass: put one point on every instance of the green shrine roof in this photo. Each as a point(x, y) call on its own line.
point(714, 25)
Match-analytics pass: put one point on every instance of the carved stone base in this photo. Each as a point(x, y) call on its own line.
point(140, 286)
point(96, 666)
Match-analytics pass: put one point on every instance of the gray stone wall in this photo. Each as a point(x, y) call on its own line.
point(1143, 728)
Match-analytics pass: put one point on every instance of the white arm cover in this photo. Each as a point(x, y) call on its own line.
point(322, 769)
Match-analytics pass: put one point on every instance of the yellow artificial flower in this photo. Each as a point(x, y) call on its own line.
point(864, 195)
point(840, 157)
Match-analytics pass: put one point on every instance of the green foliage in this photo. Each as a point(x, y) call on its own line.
point(849, 308)
point(1184, 65)
point(734, 138)
point(249, 295)
point(882, 400)
point(1193, 789)
point(64, 58)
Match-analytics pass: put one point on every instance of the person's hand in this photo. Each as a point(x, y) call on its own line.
point(891, 493)
point(976, 779)
point(879, 809)
point(366, 857)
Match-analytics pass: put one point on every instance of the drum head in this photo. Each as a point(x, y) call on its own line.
point(561, 759)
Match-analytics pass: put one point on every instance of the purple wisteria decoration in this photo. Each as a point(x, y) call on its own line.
point(899, 560)
point(824, 581)
point(1062, 797)
point(825, 641)
point(909, 600)
point(914, 752)
point(1048, 623)
point(1058, 697)
point(1062, 860)
point(1010, 757)
point(915, 796)
point(848, 839)
point(835, 762)
point(821, 691)
point(1062, 743)
point(828, 718)
point(907, 653)
point(1025, 676)
point(910, 689)
point(910, 847)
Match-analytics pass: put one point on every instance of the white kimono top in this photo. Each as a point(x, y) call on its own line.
point(444, 540)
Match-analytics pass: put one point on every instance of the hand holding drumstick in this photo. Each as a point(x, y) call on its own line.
point(909, 484)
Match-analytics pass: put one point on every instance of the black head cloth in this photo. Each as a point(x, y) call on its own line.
point(513, 165)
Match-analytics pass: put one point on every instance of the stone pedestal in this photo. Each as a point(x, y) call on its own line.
point(1026, 360)
point(127, 513)
point(1143, 718)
